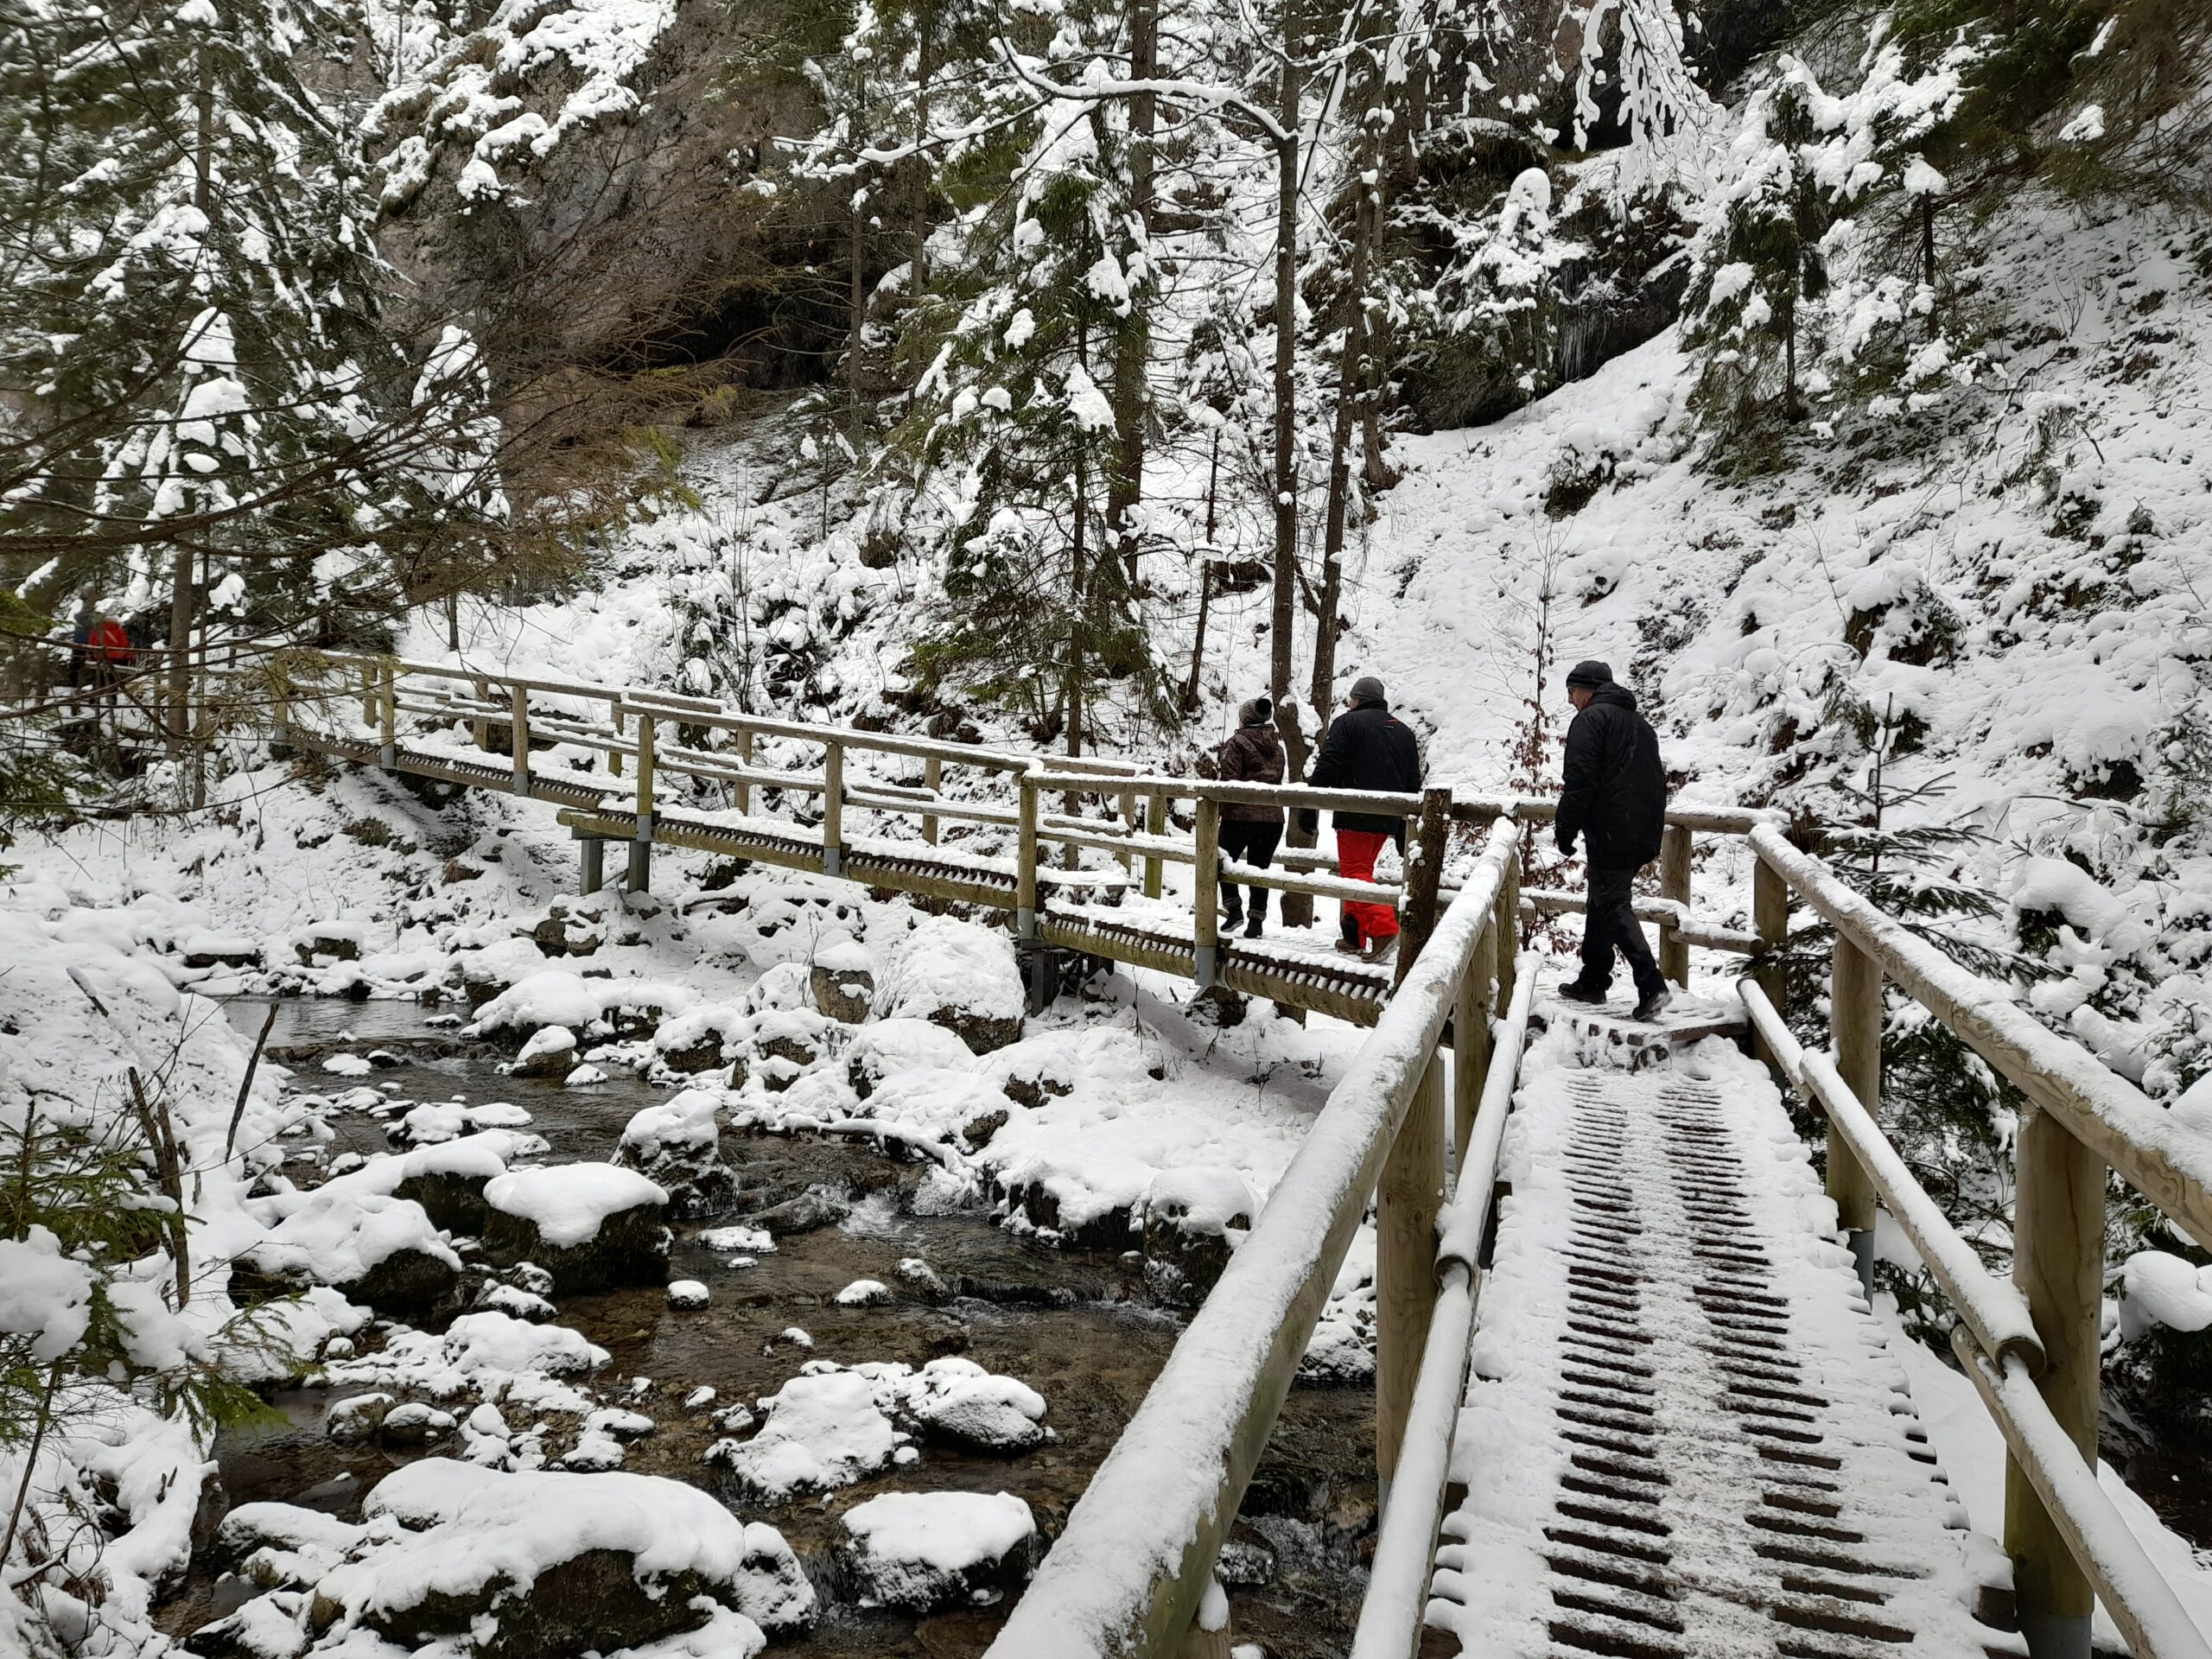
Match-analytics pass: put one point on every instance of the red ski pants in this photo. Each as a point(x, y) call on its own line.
point(1357, 851)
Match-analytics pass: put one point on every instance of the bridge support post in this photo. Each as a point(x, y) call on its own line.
point(1675, 884)
point(388, 718)
point(641, 848)
point(614, 756)
point(1407, 1200)
point(2058, 1263)
point(744, 791)
point(833, 810)
point(1155, 823)
point(1205, 893)
point(1024, 874)
point(932, 780)
point(1506, 930)
point(1855, 1026)
point(1771, 921)
point(519, 729)
point(593, 852)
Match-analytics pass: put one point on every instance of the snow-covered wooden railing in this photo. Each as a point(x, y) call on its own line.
point(1414, 1497)
point(1132, 1574)
point(2084, 1124)
point(1998, 1346)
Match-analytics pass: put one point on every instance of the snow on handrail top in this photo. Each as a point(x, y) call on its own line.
point(1127, 1572)
point(2133, 1588)
point(1996, 1311)
point(2160, 1156)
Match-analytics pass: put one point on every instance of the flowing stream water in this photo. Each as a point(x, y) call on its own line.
point(1077, 1328)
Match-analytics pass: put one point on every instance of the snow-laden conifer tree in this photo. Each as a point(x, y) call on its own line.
point(1011, 424)
point(203, 400)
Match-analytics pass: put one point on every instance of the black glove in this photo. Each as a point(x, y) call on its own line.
point(1309, 820)
point(1564, 838)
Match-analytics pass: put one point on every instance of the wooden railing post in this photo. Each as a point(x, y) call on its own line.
point(1127, 803)
point(1771, 921)
point(744, 791)
point(1155, 823)
point(1424, 873)
point(1206, 892)
point(388, 717)
point(833, 809)
point(518, 729)
point(1505, 929)
point(933, 781)
point(1855, 1028)
point(1675, 884)
point(1407, 1200)
point(614, 756)
point(368, 694)
point(1471, 1041)
point(480, 729)
point(641, 846)
point(2058, 1234)
point(1025, 879)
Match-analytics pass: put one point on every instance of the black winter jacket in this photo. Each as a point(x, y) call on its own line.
point(1367, 748)
point(1615, 797)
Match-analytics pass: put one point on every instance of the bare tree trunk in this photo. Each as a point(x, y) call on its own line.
point(925, 41)
point(1132, 345)
point(1286, 470)
point(181, 592)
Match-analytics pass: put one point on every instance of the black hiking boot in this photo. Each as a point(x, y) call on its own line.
point(1253, 926)
point(1577, 990)
point(1650, 1008)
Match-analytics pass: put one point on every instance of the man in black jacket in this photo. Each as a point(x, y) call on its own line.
point(1615, 798)
point(1367, 748)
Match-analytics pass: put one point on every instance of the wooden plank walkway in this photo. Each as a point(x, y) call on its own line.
point(1684, 1438)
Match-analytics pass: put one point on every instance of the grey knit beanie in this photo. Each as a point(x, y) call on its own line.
point(1367, 688)
point(1590, 674)
point(1258, 712)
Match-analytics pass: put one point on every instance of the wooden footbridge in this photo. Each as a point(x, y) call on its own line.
point(1631, 1399)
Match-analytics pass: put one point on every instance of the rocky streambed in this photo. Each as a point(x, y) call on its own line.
point(847, 1339)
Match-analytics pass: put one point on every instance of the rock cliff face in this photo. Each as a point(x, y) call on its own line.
point(574, 180)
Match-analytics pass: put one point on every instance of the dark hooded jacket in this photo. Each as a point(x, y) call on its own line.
point(1252, 755)
point(1615, 795)
point(1368, 747)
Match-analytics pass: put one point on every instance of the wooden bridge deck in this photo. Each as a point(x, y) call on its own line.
point(1684, 1438)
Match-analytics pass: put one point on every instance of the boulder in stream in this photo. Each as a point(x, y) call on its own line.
point(1192, 1219)
point(535, 1565)
point(676, 1146)
point(841, 978)
point(592, 1226)
point(922, 1550)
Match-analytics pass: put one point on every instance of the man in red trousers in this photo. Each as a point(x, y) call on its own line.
point(1367, 748)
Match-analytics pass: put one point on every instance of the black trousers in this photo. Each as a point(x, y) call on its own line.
point(1611, 924)
point(1249, 843)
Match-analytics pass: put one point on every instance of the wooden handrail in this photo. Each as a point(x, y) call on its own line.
point(1413, 1513)
point(1995, 1311)
point(2100, 1108)
point(1127, 1572)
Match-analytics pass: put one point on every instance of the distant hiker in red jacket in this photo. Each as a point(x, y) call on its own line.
point(1249, 834)
point(1367, 748)
point(108, 651)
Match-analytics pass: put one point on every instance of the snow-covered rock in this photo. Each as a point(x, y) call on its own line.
point(678, 1146)
point(1192, 1219)
point(550, 1051)
point(536, 1565)
point(823, 1429)
point(842, 980)
point(938, 1550)
point(863, 1293)
point(589, 1225)
point(688, 1294)
point(957, 1399)
point(959, 975)
point(891, 1047)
